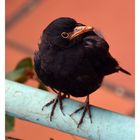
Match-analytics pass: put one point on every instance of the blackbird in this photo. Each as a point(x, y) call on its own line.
point(73, 59)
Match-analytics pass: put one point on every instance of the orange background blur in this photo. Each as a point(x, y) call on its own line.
point(25, 20)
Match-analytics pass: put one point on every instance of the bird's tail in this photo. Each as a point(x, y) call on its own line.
point(123, 70)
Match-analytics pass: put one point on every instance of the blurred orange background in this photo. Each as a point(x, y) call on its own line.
point(25, 20)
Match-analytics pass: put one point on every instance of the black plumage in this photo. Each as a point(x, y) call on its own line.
point(73, 59)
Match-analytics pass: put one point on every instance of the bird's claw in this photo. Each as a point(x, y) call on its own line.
point(58, 99)
point(86, 108)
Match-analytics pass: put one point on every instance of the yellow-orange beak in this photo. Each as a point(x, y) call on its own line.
point(80, 30)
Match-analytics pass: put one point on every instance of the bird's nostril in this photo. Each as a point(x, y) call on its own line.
point(76, 29)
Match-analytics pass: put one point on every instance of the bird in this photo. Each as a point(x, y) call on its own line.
point(73, 59)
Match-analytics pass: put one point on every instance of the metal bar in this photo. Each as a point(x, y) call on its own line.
point(26, 103)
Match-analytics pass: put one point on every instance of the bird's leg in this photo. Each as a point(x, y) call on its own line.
point(86, 108)
point(66, 95)
point(58, 99)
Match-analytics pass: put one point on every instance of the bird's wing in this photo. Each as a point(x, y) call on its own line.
point(96, 42)
point(97, 51)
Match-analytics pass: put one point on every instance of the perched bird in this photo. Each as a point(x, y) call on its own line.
point(73, 59)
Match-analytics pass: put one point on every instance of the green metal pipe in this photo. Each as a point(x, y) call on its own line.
point(26, 103)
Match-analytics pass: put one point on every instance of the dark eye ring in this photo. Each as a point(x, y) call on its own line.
point(65, 35)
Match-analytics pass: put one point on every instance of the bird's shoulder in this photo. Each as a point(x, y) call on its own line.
point(95, 42)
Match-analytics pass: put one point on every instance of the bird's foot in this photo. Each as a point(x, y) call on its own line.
point(86, 108)
point(58, 99)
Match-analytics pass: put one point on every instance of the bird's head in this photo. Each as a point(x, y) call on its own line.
point(63, 31)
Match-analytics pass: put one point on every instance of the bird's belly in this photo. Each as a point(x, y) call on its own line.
point(75, 76)
point(83, 88)
point(75, 86)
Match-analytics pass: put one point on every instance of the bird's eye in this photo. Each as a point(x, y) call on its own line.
point(65, 35)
